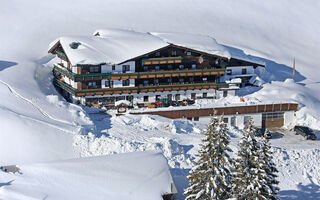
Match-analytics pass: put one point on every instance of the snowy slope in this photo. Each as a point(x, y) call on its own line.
point(116, 177)
point(37, 125)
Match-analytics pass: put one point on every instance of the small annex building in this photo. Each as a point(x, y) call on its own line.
point(263, 115)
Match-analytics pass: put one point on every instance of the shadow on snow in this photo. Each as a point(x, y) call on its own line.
point(304, 192)
point(6, 64)
point(280, 72)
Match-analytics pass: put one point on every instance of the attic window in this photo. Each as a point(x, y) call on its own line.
point(74, 45)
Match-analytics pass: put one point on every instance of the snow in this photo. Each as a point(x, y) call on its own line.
point(37, 125)
point(115, 177)
point(113, 46)
point(194, 41)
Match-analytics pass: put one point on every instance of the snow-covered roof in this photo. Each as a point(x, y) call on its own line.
point(113, 46)
point(136, 176)
point(202, 43)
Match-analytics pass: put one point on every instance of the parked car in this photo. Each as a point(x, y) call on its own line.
point(306, 132)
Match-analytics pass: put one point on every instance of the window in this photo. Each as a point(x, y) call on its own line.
point(158, 97)
point(145, 98)
point(225, 93)
point(181, 80)
point(94, 69)
point(191, 79)
point(246, 120)
point(156, 81)
point(188, 53)
point(145, 82)
point(244, 71)
point(92, 84)
point(169, 80)
point(233, 121)
point(125, 68)
point(169, 67)
point(181, 67)
point(193, 96)
point(145, 68)
point(177, 97)
point(229, 72)
point(113, 67)
point(204, 79)
point(173, 53)
point(157, 53)
point(108, 83)
point(169, 96)
point(157, 68)
point(196, 119)
point(126, 82)
point(226, 120)
point(204, 95)
point(194, 66)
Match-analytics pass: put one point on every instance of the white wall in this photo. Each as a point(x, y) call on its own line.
point(117, 83)
point(289, 119)
point(70, 82)
point(239, 120)
point(118, 68)
point(237, 70)
point(138, 98)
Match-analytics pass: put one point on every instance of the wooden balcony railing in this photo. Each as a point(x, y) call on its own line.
point(160, 61)
point(138, 75)
point(139, 89)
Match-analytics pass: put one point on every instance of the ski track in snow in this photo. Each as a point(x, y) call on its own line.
point(44, 113)
point(40, 121)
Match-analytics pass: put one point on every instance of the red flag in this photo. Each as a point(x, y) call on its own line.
point(294, 67)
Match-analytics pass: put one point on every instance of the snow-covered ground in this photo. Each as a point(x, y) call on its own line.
point(37, 125)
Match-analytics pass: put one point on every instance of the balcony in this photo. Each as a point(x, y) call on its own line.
point(160, 61)
point(139, 89)
point(139, 75)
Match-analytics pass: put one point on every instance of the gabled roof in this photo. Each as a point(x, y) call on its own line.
point(114, 46)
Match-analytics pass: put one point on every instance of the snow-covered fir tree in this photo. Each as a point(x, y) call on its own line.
point(270, 169)
point(249, 182)
point(211, 177)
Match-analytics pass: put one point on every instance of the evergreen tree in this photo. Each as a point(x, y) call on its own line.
point(249, 181)
point(211, 177)
point(270, 169)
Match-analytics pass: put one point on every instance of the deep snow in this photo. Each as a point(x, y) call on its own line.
point(38, 126)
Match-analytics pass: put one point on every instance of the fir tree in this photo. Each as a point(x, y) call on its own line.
point(270, 169)
point(249, 181)
point(211, 177)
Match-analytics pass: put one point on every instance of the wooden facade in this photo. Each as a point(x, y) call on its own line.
point(237, 110)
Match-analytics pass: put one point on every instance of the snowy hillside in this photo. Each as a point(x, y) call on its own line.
point(38, 126)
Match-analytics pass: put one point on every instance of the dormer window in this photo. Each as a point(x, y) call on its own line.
point(188, 53)
point(74, 45)
point(174, 53)
point(158, 53)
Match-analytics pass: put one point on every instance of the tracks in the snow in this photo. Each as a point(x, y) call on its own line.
point(43, 112)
